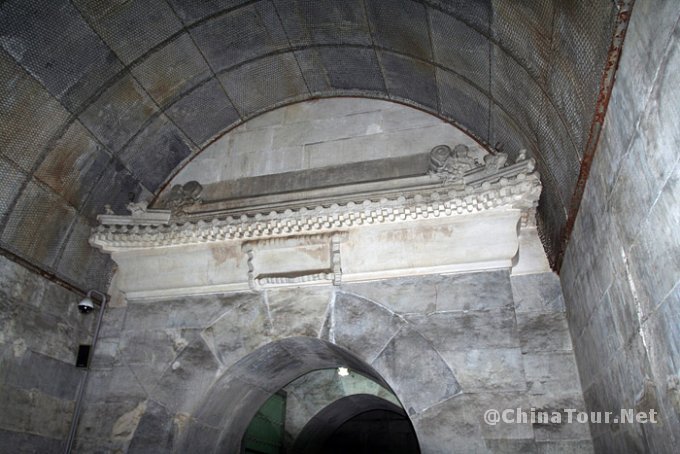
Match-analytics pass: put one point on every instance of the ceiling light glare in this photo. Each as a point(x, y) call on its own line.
point(343, 371)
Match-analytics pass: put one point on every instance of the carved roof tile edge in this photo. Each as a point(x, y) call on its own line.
point(515, 186)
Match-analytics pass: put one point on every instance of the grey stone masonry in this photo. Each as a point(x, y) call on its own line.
point(450, 346)
point(40, 330)
point(621, 273)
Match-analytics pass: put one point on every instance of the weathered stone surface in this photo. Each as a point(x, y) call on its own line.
point(154, 431)
point(20, 443)
point(203, 113)
point(122, 417)
point(558, 401)
point(426, 294)
point(117, 383)
point(35, 371)
point(181, 314)
point(565, 447)
point(244, 327)
point(34, 412)
point(401, 363)
point(185, 380)
point(132, 28)
point(460, 426)
point(549, 371)
point(362, 326)
point(466, 330)
point(150, 353)
point(543, 332)
point(183, 68)
point(118, 113)
point(537, 292)
point(298, 312)
point(489, 369)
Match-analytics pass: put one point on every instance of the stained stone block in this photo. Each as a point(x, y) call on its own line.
point(122, 417)
point(245, 326)
point(116, 384)
point(459, 47)
point(204, 112)
point(655, 257)
point(565, 447)
point(457, 425)
point(318, 23)
point(548, 371)
point(182, 385)
point(511, 446)
point(155, 152)
point(198, 436)
point(112, 324)
point(362, 326)
point(155, 430)
point(400, 26)
point(352, 69)
point(105, 355)
point(119, 112)
point(34, 412)
point(475, 291)
point(240, 35)
point(536, 17)
point(403, 295)
point(559, 400)
point(409, 79)
point(11, 183)
point(29, 116)
point(537, 292)
point(33, 371)
point(488, 369)
point(30, 329)
point(312, 68)
point(19, 442)
point(73, 166)
point(84, 264)
point(192, 11)
point(259, 84)
point(197, 312)
point(450, 427)
point(463, 102)
point(468, 330)
point(543, 332)
point(298, 312)
point(172, 70)
point(55, 44)
point(17, 284)
point(133, 27)
point(402, 363)
point(477, 13)
point(117, 187)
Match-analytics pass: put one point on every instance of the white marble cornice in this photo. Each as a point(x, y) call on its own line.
point(463, 216)
point(420, 198)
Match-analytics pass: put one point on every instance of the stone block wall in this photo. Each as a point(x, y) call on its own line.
point(621, 273)
point(449, 346)
point(321, 133)
point(40, 330)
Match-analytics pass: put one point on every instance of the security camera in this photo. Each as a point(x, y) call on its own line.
point(85, 306)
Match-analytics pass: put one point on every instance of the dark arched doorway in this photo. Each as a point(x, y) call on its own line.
point(353, 397)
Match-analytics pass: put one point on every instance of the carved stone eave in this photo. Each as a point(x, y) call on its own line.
point(406, 226)
point(419, 198)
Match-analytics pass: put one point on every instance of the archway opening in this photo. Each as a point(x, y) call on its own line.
point(303, 395)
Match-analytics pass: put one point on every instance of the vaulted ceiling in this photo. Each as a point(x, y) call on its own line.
point(102, 101)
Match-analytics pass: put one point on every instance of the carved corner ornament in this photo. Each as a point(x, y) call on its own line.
point(184, 196)
point(450, 165)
